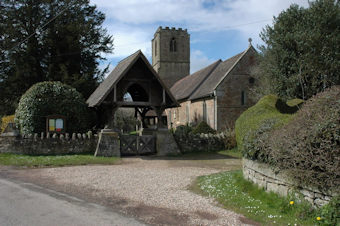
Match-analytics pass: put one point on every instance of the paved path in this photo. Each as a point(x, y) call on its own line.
point(28, 204)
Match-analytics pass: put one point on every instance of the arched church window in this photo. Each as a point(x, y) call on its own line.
point(173, 45)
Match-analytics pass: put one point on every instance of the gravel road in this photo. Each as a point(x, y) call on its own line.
point(155, 191)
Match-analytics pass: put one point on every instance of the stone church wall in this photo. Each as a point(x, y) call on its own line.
point(229, 93)
point(195, 109)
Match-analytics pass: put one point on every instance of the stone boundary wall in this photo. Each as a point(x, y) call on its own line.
point(200, 142)
point(278, 182)
point(49, 144)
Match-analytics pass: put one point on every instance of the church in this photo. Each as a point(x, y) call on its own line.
point(217, 94)
point(166, 94)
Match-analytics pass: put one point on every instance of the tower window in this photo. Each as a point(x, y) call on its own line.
point(173, 46)
point(155, 48)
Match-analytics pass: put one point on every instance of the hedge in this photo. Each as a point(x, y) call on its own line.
point(52, 98)
point(264, 116)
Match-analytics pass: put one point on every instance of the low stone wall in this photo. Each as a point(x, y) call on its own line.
point(200, 142)
point(278, 182)
point(47, 144)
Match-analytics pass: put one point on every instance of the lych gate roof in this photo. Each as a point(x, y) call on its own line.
point(122, 68)
point(203, 82)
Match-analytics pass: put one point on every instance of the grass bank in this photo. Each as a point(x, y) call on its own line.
point(51, 161)
point(242, 196)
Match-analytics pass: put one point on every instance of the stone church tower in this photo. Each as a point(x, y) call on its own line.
point(171, 54)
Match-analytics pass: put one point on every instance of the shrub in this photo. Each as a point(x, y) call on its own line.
point(49, 98)
point(257, 120)
point(330, 212)
point(203, 127)
point(4, 122)
point(183, 131)
point(308, 147)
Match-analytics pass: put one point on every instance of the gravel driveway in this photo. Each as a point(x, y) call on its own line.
point(153, 190)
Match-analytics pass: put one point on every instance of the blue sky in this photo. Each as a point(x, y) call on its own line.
point(218, 29)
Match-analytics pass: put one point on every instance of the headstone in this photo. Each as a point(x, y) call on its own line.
point(54, 136)
point(84, 136)
point(74, 136)
point(79, 136)
point(42, 135)
point(108, 144)
point(67, 136)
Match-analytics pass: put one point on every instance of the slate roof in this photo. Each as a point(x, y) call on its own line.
point(99, 95)
point(203, 83)
point(183, 88)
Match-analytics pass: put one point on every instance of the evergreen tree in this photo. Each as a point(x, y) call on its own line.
point(302, 52)
point(49, 40)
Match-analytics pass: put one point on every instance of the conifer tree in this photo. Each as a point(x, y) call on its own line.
point(49, 40)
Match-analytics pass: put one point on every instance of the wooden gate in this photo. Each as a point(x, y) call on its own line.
point(137, 145)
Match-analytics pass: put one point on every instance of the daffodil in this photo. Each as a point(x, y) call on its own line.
point(291, 202)
point(318, 218)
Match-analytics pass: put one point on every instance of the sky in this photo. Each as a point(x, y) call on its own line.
point(219, 29)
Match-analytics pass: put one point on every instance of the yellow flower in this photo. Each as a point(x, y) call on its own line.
point(318, 218)
point(291, 202)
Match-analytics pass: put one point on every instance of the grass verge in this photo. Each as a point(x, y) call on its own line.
point(232, 153)
point(235, 193)
point(50, 161)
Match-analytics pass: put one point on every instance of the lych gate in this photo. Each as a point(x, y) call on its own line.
point(134, 76)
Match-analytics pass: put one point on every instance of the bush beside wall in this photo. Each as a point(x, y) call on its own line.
point(306, 145)
point(191, 142)
point(53, 98)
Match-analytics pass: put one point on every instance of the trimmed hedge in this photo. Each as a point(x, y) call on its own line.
point(50, 98)
point(258, 119)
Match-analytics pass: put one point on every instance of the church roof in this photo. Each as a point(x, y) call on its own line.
point(185, 87)
point(203, 83)
point(99, 95)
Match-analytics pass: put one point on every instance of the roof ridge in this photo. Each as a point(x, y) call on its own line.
point(196, 72)
point(232, 67)
point(132, 55)
point(218, 62)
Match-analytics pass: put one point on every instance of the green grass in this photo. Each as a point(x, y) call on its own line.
point(50, 161)
point(235, 193)
point(233, 153)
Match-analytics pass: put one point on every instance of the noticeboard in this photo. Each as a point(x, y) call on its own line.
point(55, 124)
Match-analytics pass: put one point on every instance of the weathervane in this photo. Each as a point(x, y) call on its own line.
point(249, 40)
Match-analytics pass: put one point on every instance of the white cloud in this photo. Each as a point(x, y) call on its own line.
point(133, 22)
point(198, 61)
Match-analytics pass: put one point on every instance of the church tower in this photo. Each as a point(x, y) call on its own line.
point(171, 54)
